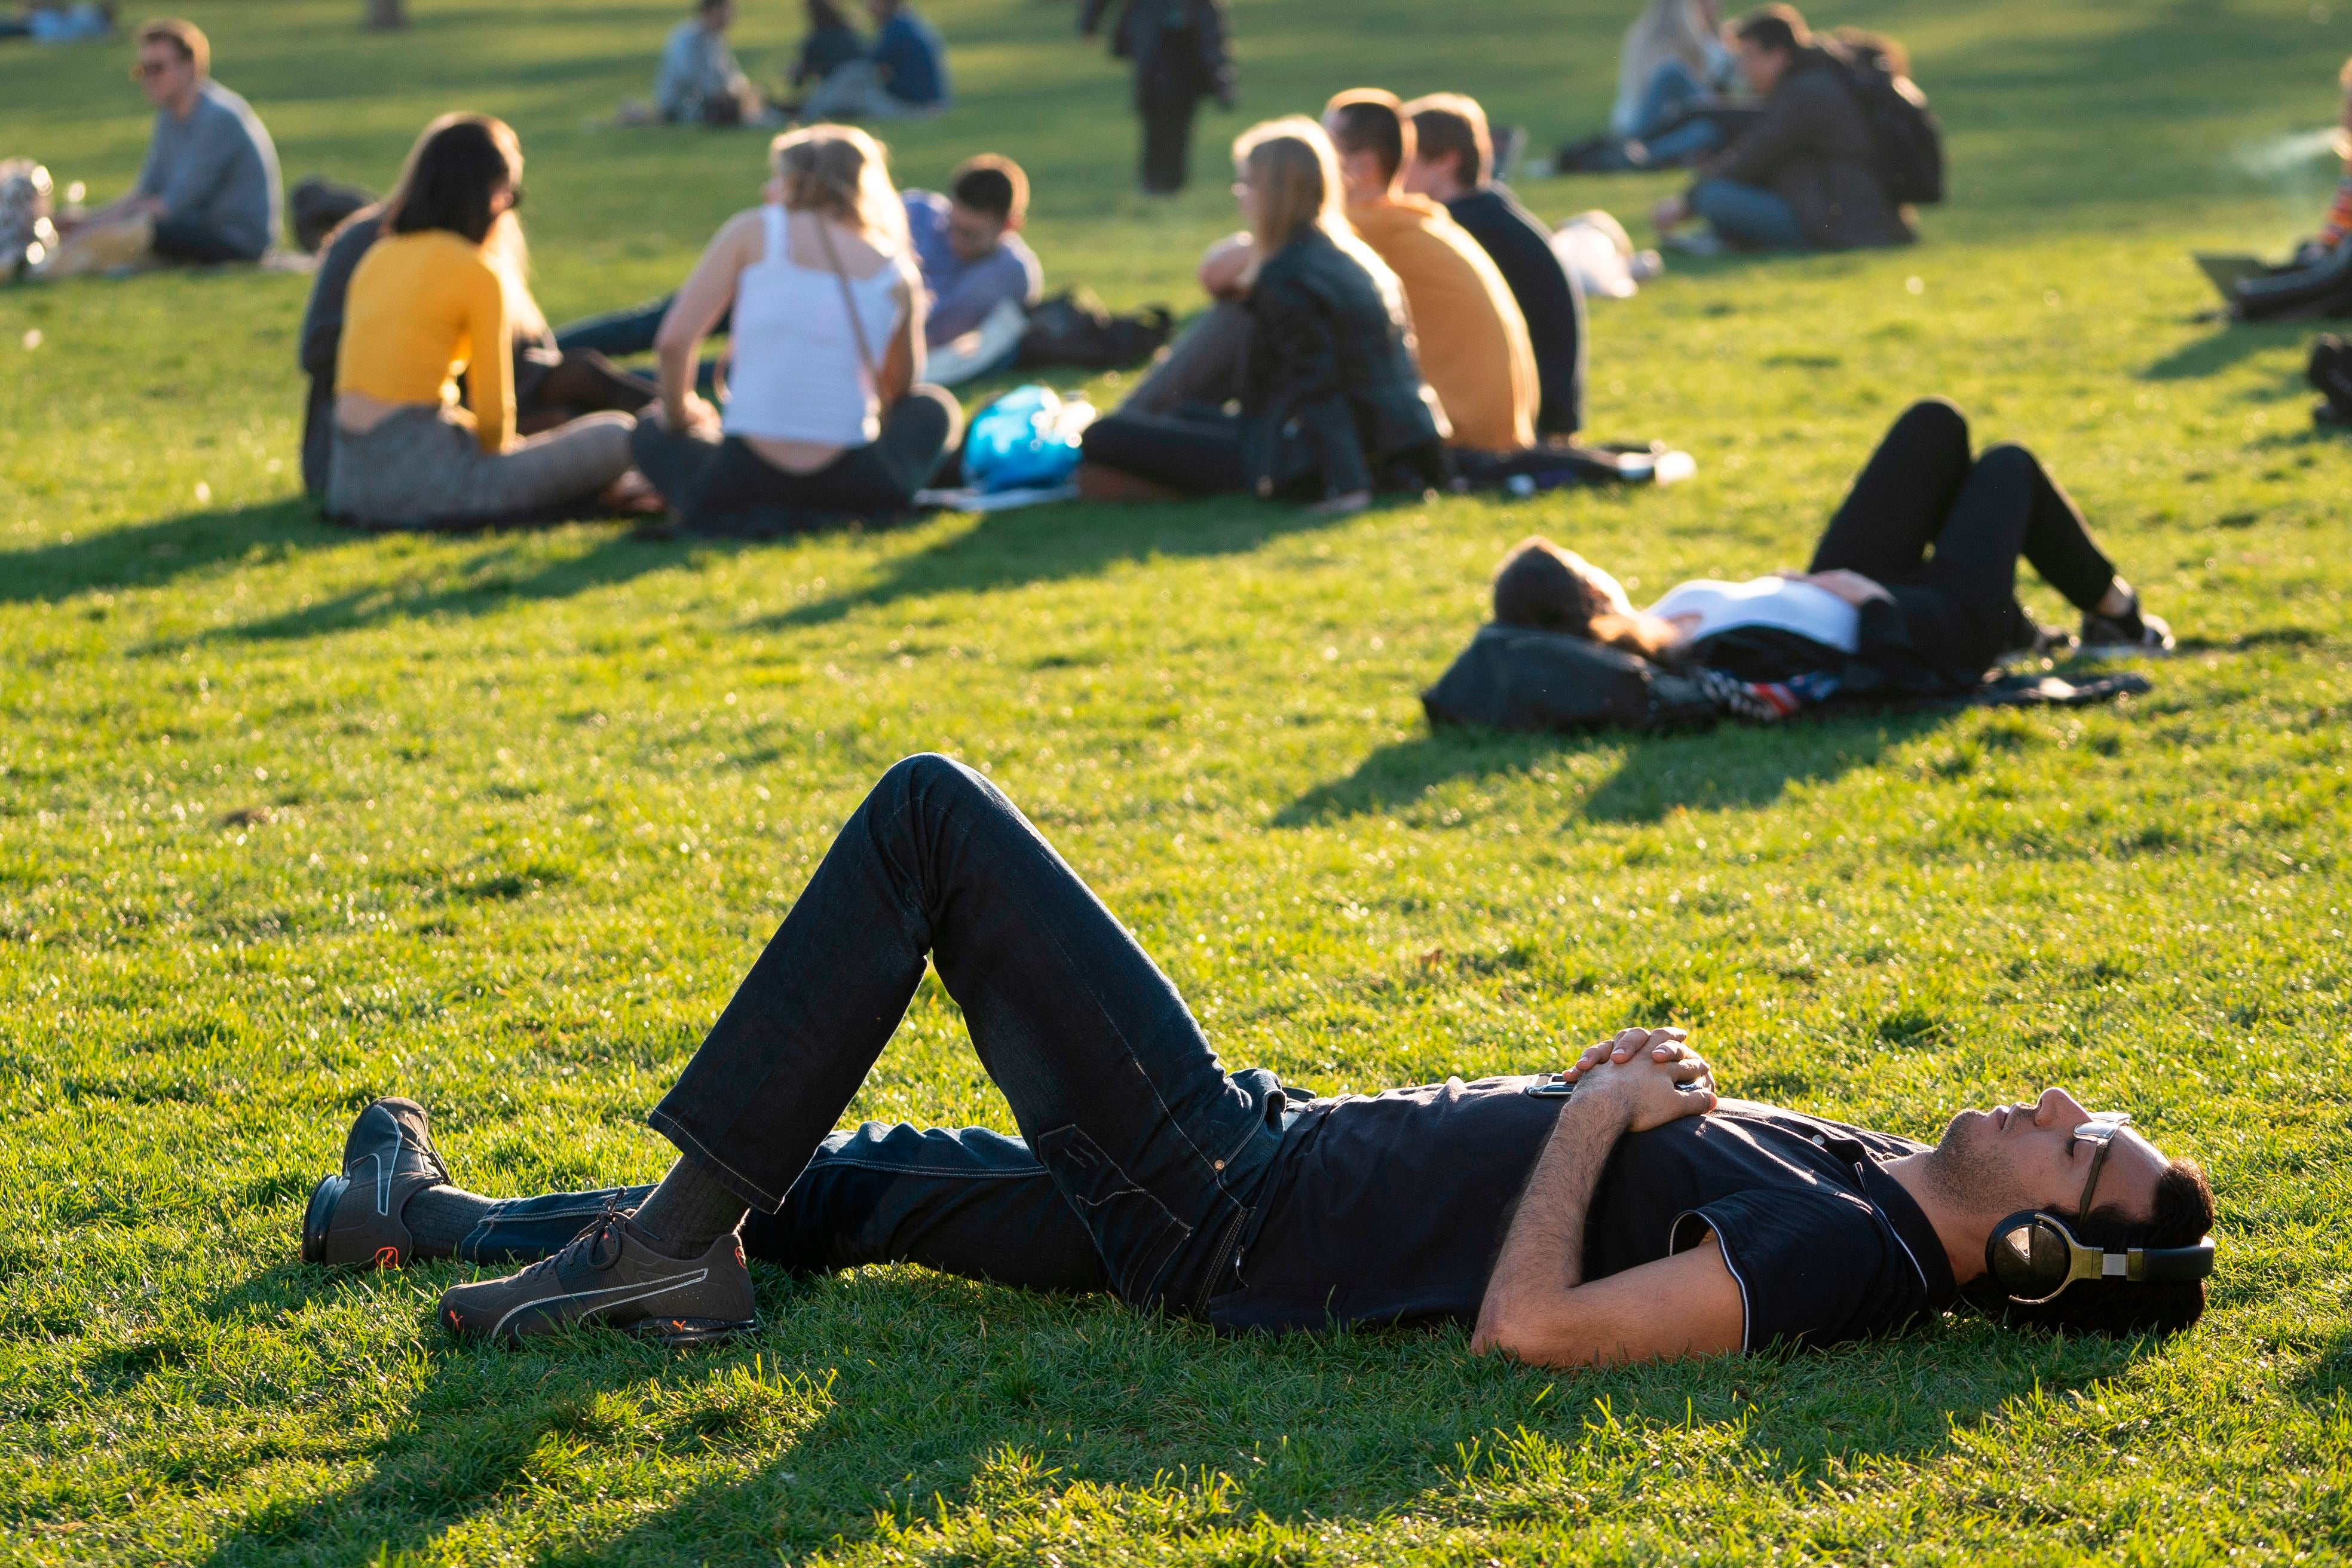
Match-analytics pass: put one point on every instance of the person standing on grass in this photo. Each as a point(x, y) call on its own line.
point(827, 416)
point(209, 190)
point(1619, 1211)
point(442, 291)
point(1182, 53)
point(1472, 340)
point(1317, 351)
point(1452, 165)
point(1804, 175)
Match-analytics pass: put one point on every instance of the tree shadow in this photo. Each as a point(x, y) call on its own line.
point(488, 582)
point(1725, 768)
point(898, 1391)
point(1050, 543)
point(151, 554)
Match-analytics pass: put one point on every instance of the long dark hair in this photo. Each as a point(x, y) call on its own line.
point(457, 164)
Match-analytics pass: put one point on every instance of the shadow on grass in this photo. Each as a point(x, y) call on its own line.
point(1049, 543)
point(2211, 355)
point(1726, 768)
point(151, 554)
point(491, 581)
point(907, 1394)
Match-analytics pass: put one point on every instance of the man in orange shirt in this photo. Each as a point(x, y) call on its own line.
point(1472, 342)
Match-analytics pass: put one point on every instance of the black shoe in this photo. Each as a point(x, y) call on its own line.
point(2042, 642)
point(2104, 636)
point(388, 1159)
point(609, 1275)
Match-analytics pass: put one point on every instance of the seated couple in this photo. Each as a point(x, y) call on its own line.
point(827, 417)
point(209, 189)
point(1914, 581)
point(1804, 173)
point(1619, 1211)
point(1348, 289)
point(979, 275)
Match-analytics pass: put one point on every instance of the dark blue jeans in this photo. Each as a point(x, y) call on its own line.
point(1748, 217)
point(1140, 1157)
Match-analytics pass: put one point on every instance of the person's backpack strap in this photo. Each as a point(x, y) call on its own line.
point(849, 303)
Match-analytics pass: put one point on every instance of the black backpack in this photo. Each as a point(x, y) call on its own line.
point(1513, 678)
point(1910, 143)
point(1074, 327)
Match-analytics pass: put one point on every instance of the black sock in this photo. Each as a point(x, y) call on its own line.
point(690, 1209)
point(438, 1218)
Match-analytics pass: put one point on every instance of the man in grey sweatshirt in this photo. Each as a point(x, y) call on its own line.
point(210, 184)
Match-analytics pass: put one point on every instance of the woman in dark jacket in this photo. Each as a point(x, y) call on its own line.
point(1332, 404)
point(1805, 174)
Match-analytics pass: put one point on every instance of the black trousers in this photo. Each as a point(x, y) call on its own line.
point(1943, 529)
point(183, 239)
point(1167, 101)
point(724, 487)
point(1195, 449)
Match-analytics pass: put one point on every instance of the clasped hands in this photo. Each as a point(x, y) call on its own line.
point(1648, 1075)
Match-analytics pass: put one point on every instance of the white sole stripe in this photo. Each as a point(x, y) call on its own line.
point(651, 1289)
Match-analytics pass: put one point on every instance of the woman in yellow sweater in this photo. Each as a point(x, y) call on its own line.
point(437, 294)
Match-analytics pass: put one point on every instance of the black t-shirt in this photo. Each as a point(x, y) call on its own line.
point(1392, 1208)
point(1547, 295)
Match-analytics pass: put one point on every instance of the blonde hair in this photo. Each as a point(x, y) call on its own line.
point(1665, 30)
point(1291, 166)
point(189, 38)
point(842, 173)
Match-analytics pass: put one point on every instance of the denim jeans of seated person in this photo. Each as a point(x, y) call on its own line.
point(1140, 1156)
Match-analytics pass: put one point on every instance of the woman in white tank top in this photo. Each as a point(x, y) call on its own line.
point(1915, 576)
point(826, 418)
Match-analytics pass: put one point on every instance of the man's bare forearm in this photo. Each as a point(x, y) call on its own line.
point(1543, 1253)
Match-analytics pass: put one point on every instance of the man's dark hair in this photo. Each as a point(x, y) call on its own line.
point(2119, 1308)
point(1775, 27)
point(706, 7)
point(991, 184)
point(1452, 128)
point(1368, 120)
point(449, 183)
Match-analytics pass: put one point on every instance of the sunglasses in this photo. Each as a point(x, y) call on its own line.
point(2100, 1131)
point(2034, 1258)
point(148, 70)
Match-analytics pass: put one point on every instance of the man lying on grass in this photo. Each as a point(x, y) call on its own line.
point(1618, 1211)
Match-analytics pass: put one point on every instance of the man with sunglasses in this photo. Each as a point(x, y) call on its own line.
point(1617, 1211)
point(209, 190)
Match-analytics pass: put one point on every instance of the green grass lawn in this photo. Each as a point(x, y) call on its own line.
point(290, 817)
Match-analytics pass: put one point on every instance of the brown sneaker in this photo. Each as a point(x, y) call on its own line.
point(610, 1275)
point(388, 1159)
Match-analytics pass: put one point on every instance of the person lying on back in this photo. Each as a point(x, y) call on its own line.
point(1472, 340)
point(1912, 587)
point(209, 190)
point(1453, 164)
point(1616, 1211)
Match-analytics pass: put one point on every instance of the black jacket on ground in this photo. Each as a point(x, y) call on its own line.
point(1813, 146)
point(1330, 383)
point(1549, 295)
